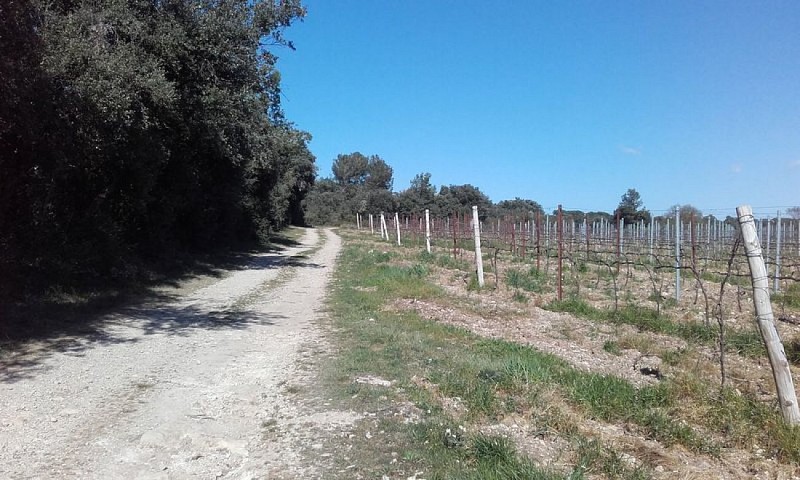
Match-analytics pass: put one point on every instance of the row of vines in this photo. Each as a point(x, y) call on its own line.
point(696, 272)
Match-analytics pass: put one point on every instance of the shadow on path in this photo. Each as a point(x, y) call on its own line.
point(130, 326)
point(30, 334)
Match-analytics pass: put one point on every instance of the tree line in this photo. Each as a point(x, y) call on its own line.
point(133, 131)
point(362, 184)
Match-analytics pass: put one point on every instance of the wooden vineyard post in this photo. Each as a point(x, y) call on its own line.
point(476, 228)
point(766, 322)
point(691, 236)
point(560, 230)
point(776, 286)
point(587, 231)
point(513, 237)
point(455, 239)
point(619, 241)
point(538, 244)
point(678, 255)
point(428, 230)
point(384, 230)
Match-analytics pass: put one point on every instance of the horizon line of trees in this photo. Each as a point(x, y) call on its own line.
point(135, 132)
point(361, 184)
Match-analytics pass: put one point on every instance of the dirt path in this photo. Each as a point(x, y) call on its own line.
point(175, 389)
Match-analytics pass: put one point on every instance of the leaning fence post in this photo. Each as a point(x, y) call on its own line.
point(766, 322)
point(476, 228)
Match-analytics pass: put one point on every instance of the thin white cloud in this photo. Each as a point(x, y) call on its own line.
point(630, 150)
point(736, 168)
point(794, 164)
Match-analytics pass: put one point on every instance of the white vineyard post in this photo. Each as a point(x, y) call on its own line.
point(371, 227)
point(397, 226)
point(766, 322)
point(601, 233)
point(678, 255)
point(476, 226)
point(620, 232)
point(769, 239)
point(668, 234)
point(775, 287)
point(384, 230)
point(652, 224)
point(358, 221)
point(428, 229)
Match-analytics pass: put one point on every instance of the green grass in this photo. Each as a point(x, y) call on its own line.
point(531, 280)
point(494, 378)
point(519, 297)
point(491, 377)
point(496, 458)
point(594, 458)
point(745, 342)
point(790, 297)
point(612, 347)
point(742, 281)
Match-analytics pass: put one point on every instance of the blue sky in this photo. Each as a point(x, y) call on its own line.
point(560, 102)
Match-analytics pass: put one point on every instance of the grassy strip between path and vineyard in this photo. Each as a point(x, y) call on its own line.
point(461, 386)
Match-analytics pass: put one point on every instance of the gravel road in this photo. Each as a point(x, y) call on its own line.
point(178, 388)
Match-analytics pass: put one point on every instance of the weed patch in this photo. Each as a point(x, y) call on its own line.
point(744, 342)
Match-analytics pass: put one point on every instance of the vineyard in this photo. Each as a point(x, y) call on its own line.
point(696, 273)
point(700, 250)
point(643, 302)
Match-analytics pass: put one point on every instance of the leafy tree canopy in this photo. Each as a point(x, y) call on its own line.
point(419, 196)
point(688, 213)
point(460, 199)
point(350, 169)
point(518, 208)
point(631, 208)
point(132, 131)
